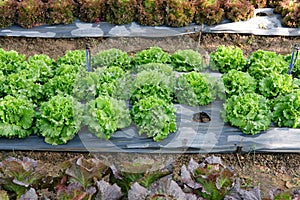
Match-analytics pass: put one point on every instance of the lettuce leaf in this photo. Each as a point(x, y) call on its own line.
point(16, 117)
point(59, 119)
point(154, 117)
point(105, 115)
point(250, 112)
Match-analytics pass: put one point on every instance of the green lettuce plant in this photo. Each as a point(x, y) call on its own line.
point(226, 58)
point(111, 57)
point(11, 61)
point(59, 85)
point(59, 119)
point(275, 84)
point(195, 89)
point(30, 13)
point(286, 110)
point(237, 82)
point(121, 11)
point(64, 80)
point(16, 117)
point(209, 12)
point(238, 10)
point(154, 54)
point(60, 11)
point(8, 11)
point(91, 10)
point(187, 60)
point(3, 85)
point(249, 112)
point(179, 12)
point(159, 67)
point(41, 66)
point(77, 58)
point(152, 83)
point(105, 81)
point(150, 12)
point(261, 64)
point(70, 68)
point(24, 83)
point(84, 88)
point(105, 115)
point(113, 82)
point(154, 117)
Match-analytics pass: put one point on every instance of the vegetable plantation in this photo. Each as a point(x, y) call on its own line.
point(54, 99)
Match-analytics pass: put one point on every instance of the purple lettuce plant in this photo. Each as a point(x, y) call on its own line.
point(259, 3)
point(144, 172)
point(91, 10)
point(284, 7)
point(150, 12)
point(108, 191)
point(210, 179)
point(18, 176)
point(120, 11)
point(164, 188)
point(80, 178)
point(238, 10)
point(292, 19)
point(273, 3)
point(60, 11)
point(67, 191)
point(209, 12)
point(31, 13)
point(7, 13)
point(179, 12)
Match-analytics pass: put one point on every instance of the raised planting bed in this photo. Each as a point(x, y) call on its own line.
point(265, 21)
point(149, 101)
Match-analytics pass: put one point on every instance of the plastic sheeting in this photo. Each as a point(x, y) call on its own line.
point(191, 137)
point(264, 22)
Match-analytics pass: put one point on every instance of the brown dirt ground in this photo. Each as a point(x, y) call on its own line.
point(267, 170)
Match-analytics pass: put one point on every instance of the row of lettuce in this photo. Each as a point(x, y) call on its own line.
point(56, 98)
point(138, 179)
point(175, 13)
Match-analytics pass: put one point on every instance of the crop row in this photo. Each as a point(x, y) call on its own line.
point(93, 178)
point(175, 13)
point(56, 98)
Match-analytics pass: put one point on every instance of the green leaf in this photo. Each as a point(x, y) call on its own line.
point(153, 83)
point(152, 55)
point(60, 119)
point(286, 110)
point(195, 88)
point(154, 117)
point(187, 60)
point(226, 58)
point(250, 112)
point(16, 117)
point(111, 57)
point(262, 63)
point(105, 115)
point(237, 82)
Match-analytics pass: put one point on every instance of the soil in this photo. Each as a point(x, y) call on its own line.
point(266, 170)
